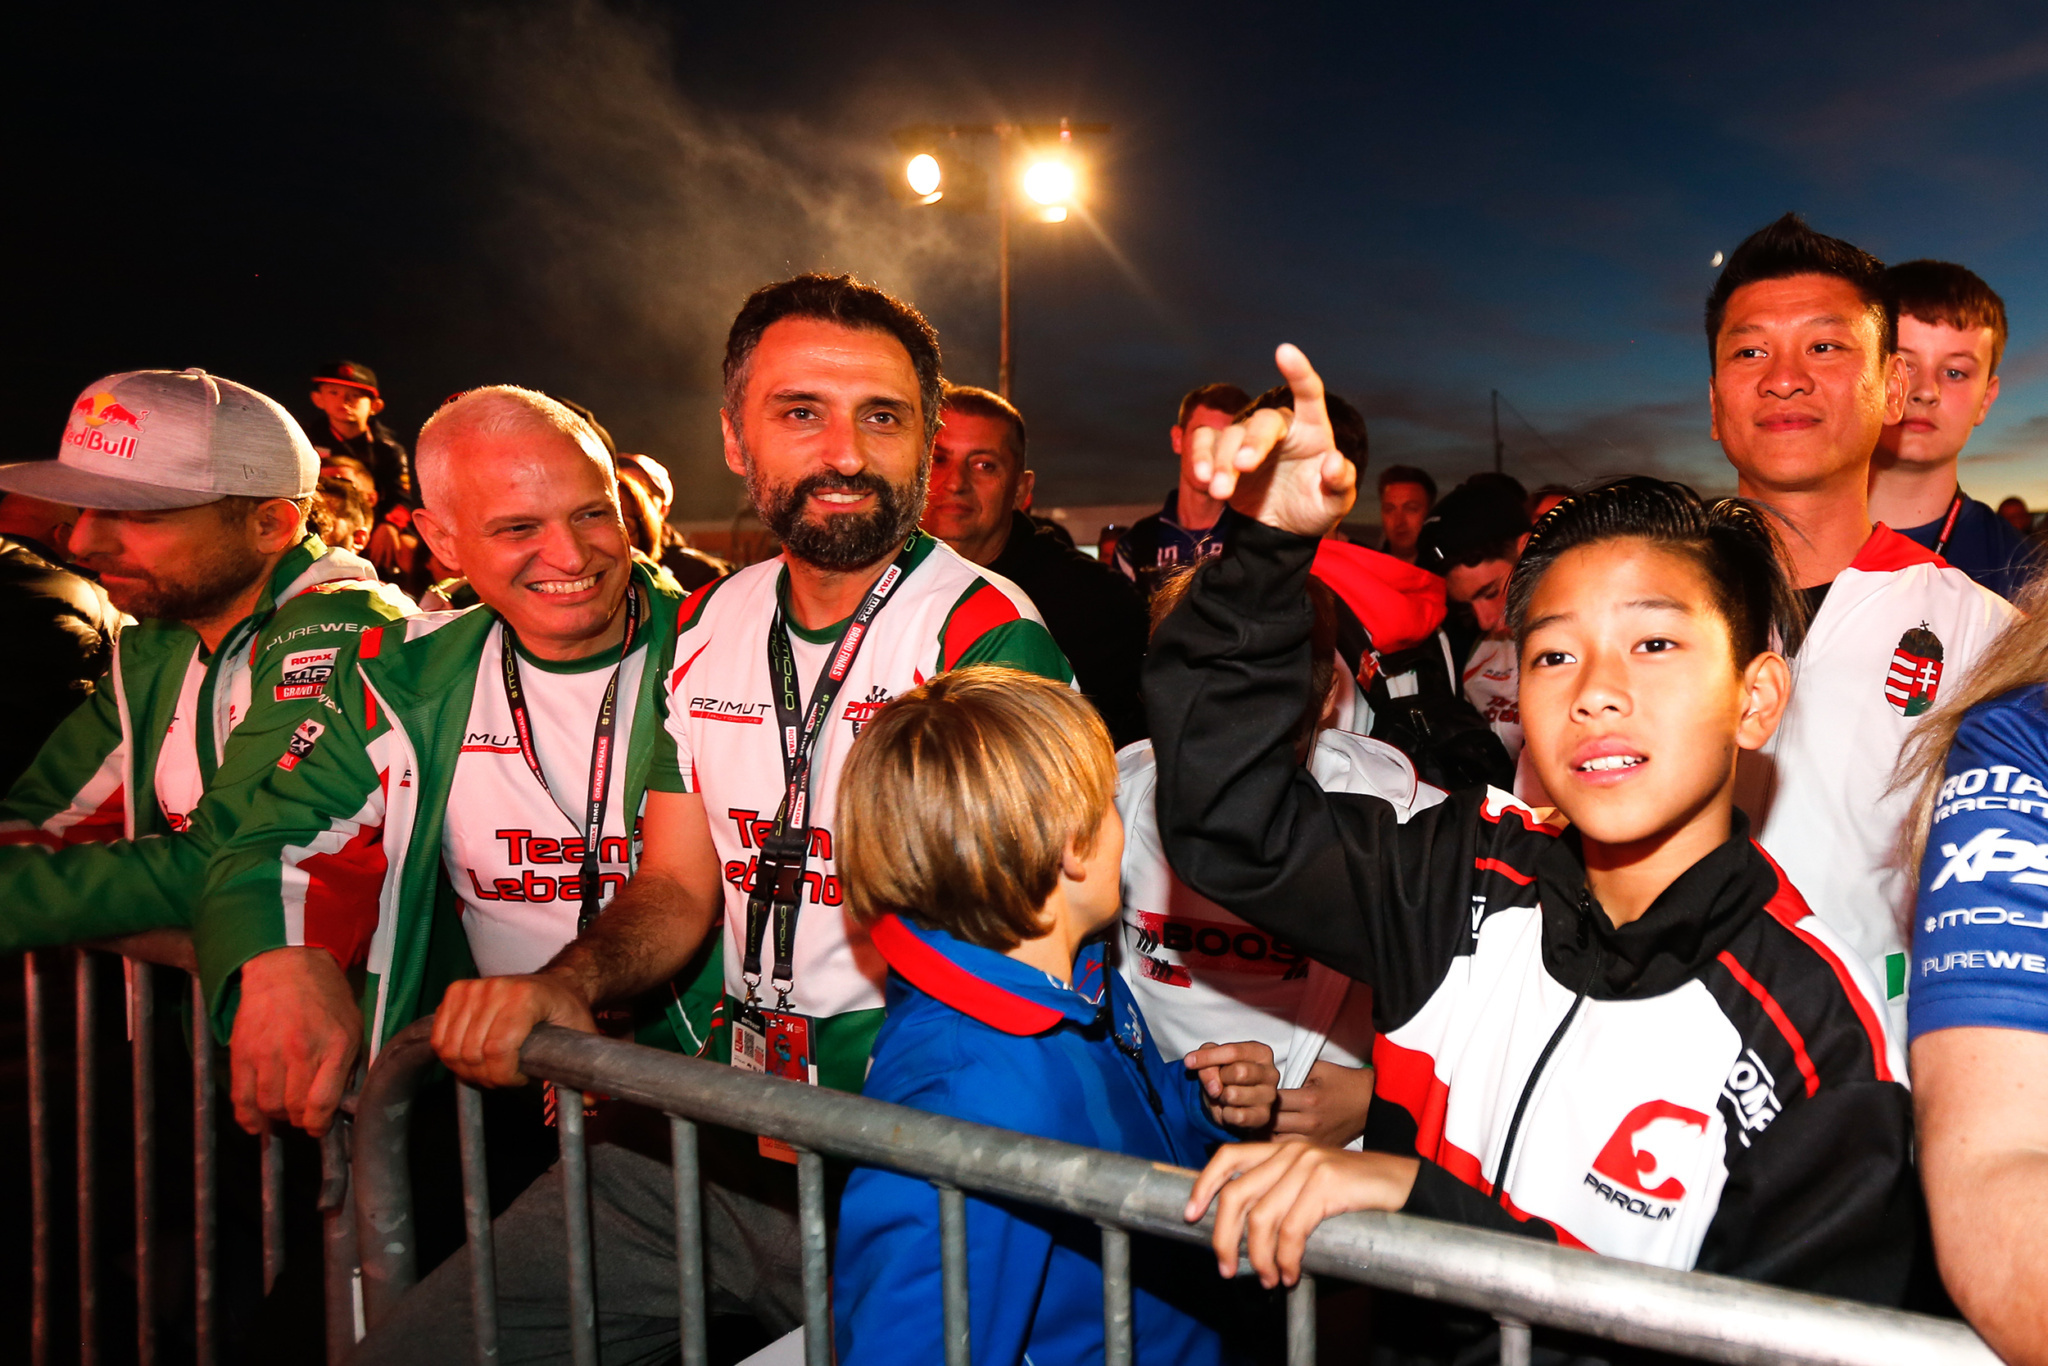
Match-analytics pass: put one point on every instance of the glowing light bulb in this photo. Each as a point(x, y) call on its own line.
point(1049, 182)
point(1718, 259)
point(923, 173)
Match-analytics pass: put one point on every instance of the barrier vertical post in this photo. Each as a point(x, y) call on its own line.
point(338, 1210)
point(1116, 1297)
point(273, 1205)
point(141, 1039)
point(38, 1157)
point(953, 1270)
point(1301, 1323)
point(689, 1241)
point(576, 1218)
point(476, 1216)
point(810, 1203)
point(205, 1181)
point(85, 1033)
point(1515, 1346)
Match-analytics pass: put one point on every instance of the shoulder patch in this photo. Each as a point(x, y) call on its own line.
point(304, 673)
point(300, 745)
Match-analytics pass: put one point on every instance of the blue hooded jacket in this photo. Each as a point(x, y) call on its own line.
point(978, 1036)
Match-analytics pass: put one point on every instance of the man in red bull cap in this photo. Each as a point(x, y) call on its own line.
point(194, 495)
point(346, 393)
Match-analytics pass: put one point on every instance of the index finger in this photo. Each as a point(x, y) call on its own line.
point(1304, 382)
point(1218, 1054)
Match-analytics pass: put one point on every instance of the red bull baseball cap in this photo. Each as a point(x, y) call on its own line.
point(155, 440)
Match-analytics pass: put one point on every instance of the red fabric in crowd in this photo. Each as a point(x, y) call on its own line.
point(1400, 604)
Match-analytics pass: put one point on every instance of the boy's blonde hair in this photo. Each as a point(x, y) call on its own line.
point(961, 796)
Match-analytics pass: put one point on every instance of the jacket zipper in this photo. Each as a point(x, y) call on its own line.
point(1507, 1155)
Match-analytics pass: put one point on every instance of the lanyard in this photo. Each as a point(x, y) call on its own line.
point(601, 747)
point(779, 875)
point(1955, 508)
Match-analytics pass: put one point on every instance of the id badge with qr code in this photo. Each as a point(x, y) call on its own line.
point(781, 1047)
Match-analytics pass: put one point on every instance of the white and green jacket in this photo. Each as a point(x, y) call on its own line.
point(88, 847)
point(339, 845)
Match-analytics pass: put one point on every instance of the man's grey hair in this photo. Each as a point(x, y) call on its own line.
point(494, 410)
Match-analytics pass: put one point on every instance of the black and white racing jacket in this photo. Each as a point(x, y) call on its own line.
point(1711, 1086)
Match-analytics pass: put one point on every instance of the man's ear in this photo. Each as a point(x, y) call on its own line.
point(1178, 436)
point(278, 524)
point(439, 538)
point(735, 458)
point(1895, 386)
point(1026, 483)
point(1766, 689)
point(376, 405)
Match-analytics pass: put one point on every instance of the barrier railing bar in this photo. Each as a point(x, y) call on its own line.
point(38, 1158)
point(85, 1041)
point(339, 1241)
point(476, 1218)
point(272, 1175)
point(689, 1241)
point(1301, 1323)
point(953, 1270)
point(141, 1040)
point(1714, 1318)
point(1116, 1296)
point(810, 1218)
point(576, 1224)
point(205, 1177)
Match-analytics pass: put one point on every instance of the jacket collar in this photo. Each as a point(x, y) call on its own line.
point(1228, 519)
point(988, 986)
point(1887, 551)
point(1687, 926)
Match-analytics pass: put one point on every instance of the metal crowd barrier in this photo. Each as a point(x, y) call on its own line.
point(1518, 1281)
point(337, 1207)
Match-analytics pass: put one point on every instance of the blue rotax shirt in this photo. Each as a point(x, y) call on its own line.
point(979, 1036)
point(1980, 929)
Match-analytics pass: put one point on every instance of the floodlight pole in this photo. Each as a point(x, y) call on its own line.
point(1004, 133)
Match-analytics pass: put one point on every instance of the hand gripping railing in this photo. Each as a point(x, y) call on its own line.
point(1518, 1281)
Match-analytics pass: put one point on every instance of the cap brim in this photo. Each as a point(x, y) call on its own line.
point(56, 482)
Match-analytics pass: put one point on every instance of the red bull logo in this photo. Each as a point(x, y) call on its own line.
point(93, 415)
point(101, 409)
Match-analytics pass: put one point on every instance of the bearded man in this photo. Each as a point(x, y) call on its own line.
point(832, 401)
point(194, 495)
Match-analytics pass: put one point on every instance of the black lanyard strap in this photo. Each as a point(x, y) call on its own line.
point(602, 745)
point(1948, 526)
point(784, 851)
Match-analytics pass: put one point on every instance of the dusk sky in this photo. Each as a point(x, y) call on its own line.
point(1433, 201)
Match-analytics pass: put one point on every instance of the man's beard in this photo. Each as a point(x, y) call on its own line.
point(848, 540)
point(198, 590)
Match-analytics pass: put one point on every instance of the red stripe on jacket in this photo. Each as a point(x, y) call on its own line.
point(985, 609)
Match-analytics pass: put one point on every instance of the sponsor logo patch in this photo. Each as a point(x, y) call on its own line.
point(1639, 1162)
point(304, 674)
point(1914, 677)
point(301, 744)
point(859, 713)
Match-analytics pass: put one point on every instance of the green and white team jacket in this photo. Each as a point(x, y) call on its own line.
point(945, 613)
point(108, 831)
point(341, 844)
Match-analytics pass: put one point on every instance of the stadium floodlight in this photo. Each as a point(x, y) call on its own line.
point(1050, 188)
point(1050, 181)
point(924, 176)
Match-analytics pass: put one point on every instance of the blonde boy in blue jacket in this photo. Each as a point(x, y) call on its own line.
point(981, 846)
